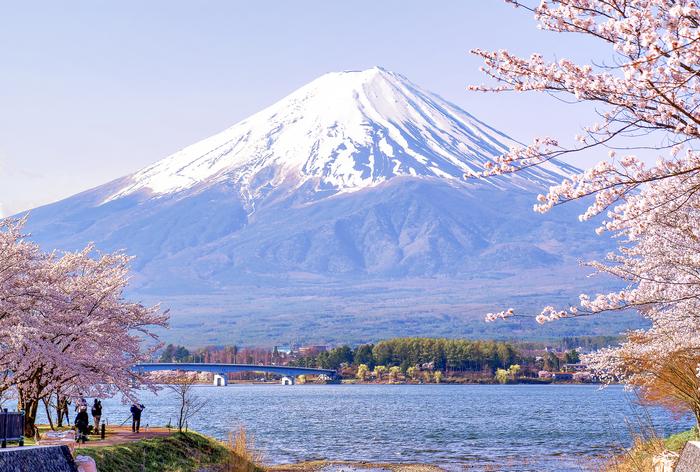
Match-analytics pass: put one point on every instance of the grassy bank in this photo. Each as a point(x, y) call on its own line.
point(179, 452)
point(639, 457)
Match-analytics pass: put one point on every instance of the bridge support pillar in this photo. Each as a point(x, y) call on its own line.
point(288, 380)
point(220, 380)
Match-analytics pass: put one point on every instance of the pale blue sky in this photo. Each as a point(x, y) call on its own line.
point(93, 90)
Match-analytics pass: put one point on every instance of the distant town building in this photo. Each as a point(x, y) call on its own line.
point(575, 367)
point(312, 350)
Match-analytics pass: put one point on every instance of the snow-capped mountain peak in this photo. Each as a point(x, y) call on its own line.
point(344, 131)
point(341, 208)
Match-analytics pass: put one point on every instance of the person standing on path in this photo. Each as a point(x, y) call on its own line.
point(97, 414)
point(81, 425)
point(136, 410)
point(65, 404)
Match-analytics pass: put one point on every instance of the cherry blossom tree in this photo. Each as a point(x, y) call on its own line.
point(649, 93)
point(65, 324)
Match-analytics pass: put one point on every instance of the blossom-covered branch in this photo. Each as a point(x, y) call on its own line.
point(652, 87)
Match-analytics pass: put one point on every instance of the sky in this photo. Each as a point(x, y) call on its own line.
point(94, 90)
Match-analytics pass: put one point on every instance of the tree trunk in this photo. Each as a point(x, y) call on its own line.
point(181, 420)
point(59, 411)
point(30, 407)
point(48, 413)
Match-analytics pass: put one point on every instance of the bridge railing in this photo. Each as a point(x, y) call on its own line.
point(218, 368)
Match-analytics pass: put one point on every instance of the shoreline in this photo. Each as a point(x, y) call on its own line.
point(349, 466)
point(346, 382)
point(162, 442)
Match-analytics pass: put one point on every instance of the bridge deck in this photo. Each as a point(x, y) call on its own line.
point(227, 368)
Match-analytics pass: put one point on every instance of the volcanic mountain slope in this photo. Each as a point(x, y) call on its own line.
point(356, 178)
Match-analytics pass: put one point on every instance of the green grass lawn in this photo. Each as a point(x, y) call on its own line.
point(179, 452)
point(675, 442)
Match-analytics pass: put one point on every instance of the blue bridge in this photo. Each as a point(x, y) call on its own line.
point(289, 374)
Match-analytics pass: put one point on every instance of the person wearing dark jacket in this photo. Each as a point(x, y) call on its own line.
point(96, 414)
point(136, 410)
point(81, 425)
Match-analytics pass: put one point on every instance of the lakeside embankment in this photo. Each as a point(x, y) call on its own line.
point(173, 452)
point(194, 452)
point(640, 456)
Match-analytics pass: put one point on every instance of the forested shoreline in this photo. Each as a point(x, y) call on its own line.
point(411, 359)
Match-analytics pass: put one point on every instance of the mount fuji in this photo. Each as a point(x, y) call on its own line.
point(341, 213)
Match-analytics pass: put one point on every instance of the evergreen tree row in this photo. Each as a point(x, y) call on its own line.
point(439, 354)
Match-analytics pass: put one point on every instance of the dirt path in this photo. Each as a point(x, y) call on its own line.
point(114, 435)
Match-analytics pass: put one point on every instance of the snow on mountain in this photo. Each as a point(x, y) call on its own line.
point(346, 131)
point(334, 200)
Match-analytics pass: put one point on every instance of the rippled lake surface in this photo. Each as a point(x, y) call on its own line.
point(473, 427)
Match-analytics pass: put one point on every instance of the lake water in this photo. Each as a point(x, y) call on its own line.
point(477, 427)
